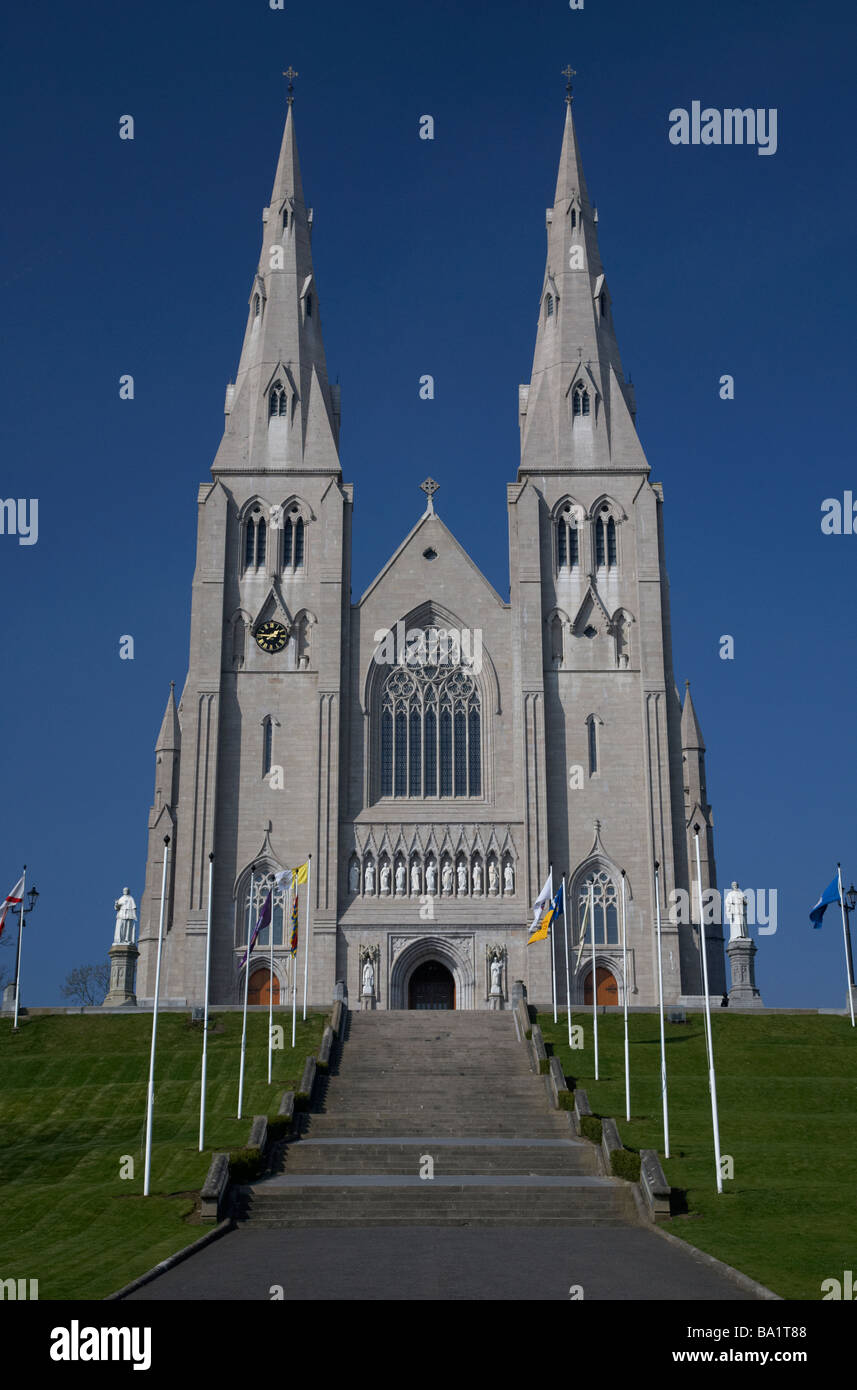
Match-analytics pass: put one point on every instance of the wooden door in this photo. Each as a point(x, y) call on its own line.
point(259, 989)
point(606, 988)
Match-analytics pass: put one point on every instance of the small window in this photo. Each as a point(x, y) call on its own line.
point(593, 745)
point(574, 217)
point(277, 401)
point(603, 299)
point(548, 306)
point(309, 306)
point(267, 746)
point(285, 218)
point(257, 306)
point(580, 400)
point(293, 541)
point(430, 554)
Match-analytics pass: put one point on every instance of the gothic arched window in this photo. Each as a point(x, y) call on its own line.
point(548, 306)
point(592, 742)
point(251, 903)
point(278, 401)
point(580, 400)
point(255, 540)
point(267, 745)
point(430, 733)
point(257, 306)
point(574, 217)
point(567, 539)
point(293, 541)
point(605, 540)
point(605, 913)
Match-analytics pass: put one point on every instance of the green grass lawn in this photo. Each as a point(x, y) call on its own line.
point(787, 1099)
point(73, 1104)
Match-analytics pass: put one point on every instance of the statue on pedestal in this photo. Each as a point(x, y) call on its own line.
point(385, 877)
point(446, 877)
point(462, 878)
point(735, 905)
point(400, 877)
point(477, 877)
point(431, 878)
point(354, 877)
point(368, 977)
point(493, 877)
point(369, 879)
point(126, 918)
point(508, 877)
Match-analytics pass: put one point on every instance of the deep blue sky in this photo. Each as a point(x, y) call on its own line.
point(138, 257)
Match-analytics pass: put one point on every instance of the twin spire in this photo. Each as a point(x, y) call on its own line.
point(282, 414)
point(578, 410)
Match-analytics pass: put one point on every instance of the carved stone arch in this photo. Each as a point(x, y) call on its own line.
point(261, 866)
point(622, 622)
point(426, 615)
point(606, 518)
point(239, 626)
point(582, 380)
point(614, 508)
point(454, 952)
point(301, 645)
point(595, 864)
point(558, 630)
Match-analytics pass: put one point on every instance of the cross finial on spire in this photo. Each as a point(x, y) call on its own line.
point(568, 73)
point(291, 75)
point(430, 487)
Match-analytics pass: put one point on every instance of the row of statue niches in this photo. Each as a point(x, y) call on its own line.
point(461, 880)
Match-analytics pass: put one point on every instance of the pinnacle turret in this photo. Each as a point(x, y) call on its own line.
point(282, 414)
point(170, 737)
point(691, 734)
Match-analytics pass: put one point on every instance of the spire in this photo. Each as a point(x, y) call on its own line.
point(691, 734)
point(282, 414)
point(170, 737)
point(576, 343)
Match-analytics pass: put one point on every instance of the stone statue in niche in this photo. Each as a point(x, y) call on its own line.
point(369, 879)
point(368, 977)
point(462, 877)
point(354, 877)
point(446, 877)
point(496, 976)
point(477, 877)
point(385, 878)
point(431, 878)
point(400, 877)
point(493, 877)
point(415, 878)
point(508, 877)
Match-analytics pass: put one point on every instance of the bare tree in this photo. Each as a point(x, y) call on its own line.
point(87, 984)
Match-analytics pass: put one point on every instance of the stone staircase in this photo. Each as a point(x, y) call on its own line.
point(455, 1087)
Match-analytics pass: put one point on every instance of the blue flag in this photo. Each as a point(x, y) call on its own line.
point(830, 895)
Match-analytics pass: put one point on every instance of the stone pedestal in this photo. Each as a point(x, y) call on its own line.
point(8, 1000)
point(495, 1001)
point(367, 1001)
point(123, 968)
point(742, 966)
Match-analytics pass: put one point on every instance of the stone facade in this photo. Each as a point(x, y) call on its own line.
point(432, 794)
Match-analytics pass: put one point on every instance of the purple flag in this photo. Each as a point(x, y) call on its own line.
point(264, 920)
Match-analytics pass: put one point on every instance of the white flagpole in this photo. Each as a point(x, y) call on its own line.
point(567, 980)
point(20, 944)
point(151, 1092)
point(553, 950)
point(306, 928)
point(246, 992)
point(294, 967)
point(625, 994)
point(271, 988)
point(661, 1011)
point(712, 1081)
point(205, 1019)
point(594, 987)
point(844, 939)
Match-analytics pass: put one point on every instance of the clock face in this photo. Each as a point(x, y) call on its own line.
point(271, 636)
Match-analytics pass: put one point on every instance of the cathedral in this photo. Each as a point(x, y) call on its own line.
point(433, 750)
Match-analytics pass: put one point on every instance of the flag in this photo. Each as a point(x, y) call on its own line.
point(264, 920)
point(555, 908)
point(14, 897)
point(293, 944)
point(289, 877)
point(830, 895)
point(542, 901)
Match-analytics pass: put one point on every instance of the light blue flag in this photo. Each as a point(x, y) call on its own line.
point(830, 895)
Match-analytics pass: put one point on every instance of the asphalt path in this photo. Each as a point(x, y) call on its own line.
point(443, 1263)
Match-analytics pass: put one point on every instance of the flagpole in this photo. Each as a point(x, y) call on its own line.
point(553, 951)
point(625, 994)
point(306, 929)
point(567, 979)
point(294, 965)
point(205, 1018)
point(20, 944)
point(844, 938)
point(151, 1092)
point(246, 992)
point(661, 1011)
point(712, 1081)
point(271, 990)
point(594, 989)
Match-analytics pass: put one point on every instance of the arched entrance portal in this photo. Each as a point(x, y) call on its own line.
point(606, 988)
point(431, 986)
point(259, 988)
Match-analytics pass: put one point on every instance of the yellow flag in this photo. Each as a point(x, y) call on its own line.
point(542, 929)
point(299, 875)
